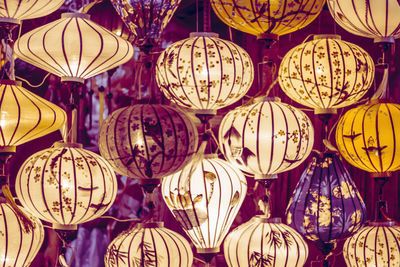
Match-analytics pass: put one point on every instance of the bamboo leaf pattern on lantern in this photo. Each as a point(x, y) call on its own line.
point(261, 260)
point(147, 256)
point(115, 256)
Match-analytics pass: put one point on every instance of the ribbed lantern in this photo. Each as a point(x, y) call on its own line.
point(265, 242)
point(375, 245)
point(148, 141)
point(204, 72)
point(368, 18)
point(149, 244)
point(18, 247)
point(73, 48)
point(266, 138)
point(205, 198)
point(66, 185)
point(326, 73)
point(368, 137)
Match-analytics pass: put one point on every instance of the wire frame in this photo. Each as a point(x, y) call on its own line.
point(204, 72)
point(25, 116)
point(204, 198)
point(17, 246)
point(266, 138)
point(376, 244)
point(149, 244)
point(372, 19)
point(326, 205)
point(368, 137)
point(73, 48)
point(66, 185)
point(326, 73)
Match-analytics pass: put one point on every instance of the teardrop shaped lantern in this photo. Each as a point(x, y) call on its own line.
point(368, 137)
point(265, 242)
point(18, 247)
point(326, 73)
point(149, 244)
point(266, 138)
point(66, 185)
point(204, 198)
point(73, 48)
point(204, 72)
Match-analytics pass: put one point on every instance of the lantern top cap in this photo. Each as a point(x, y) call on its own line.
point(327, 36)
point(149, 225)
point(204, 34)
point(266, 98)
point(383, 224)
point(60, 144)
point(211, 156)
point(75, 15)
point(265, 219)
point(10, 82)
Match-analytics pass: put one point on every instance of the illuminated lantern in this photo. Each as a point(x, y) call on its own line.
point(73, 48)
point(266, 138)
point(372, 19)
point(205, 198)
point(204, 73)
point(326, 73)
point(66, 185)
point(149, 244)
point(368, 137)
point(265, 242)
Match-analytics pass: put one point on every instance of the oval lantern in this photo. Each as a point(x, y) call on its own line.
point(66, 185)
point(149, 244)
point(266, 138)
point(265, 242)
point(326, 73)
point(204, 72)
point(18, 247)
point(204, 198)
point(368, 137)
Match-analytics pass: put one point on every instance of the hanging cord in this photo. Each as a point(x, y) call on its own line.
point(197, 15)
point(31, 85)
point(206, 16)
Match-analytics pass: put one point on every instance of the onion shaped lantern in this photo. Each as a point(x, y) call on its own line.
point(266, 138)
point(66, 185)
point(204, 72)
point(204, 198)
point(326, 73)
point(73, 48)
point(149, 244)
point(368, 137)
point(265, 242)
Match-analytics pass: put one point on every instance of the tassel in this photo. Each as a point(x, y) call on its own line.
point(383, 87)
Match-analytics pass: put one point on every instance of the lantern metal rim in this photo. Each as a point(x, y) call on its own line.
point(207, 250)
point(266, 98)
point(75, 15)
point(10, 82)
point(60, 144)
point(384, 39)
point(327, 36)
point(64, 227)
point(325, 111)
point(10, 20)
point(204, 34)
point(264, 219)
point(72, 79)
point(150, 225)
point(382, 223)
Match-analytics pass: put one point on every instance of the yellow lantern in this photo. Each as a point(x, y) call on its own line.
point(326, 73)
point(368, 137)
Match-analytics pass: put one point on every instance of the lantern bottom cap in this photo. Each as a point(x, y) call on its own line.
point(65, 227)
point(207, 250)
point(10, 20)
point(72, 79)
point(268, 36)
point(384, 39)
point(259, 176)
point(325, 110)
point(380, 174)
point(7, 149)
point(205, 112)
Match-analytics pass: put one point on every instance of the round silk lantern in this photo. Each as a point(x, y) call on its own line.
point(368, 137)
point(66, 185)
point(266, 138)
point(149, 244)
point(204, 72)
point(326, 73)
point(204, 198)
point(265, 242)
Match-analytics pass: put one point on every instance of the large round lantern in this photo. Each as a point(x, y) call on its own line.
point(66, 185)
point(266, 138)
point(204, 72)
point(368, 137)
point(204, 198)
point(375, 245)
point(149, 244)
point(326, 73)
point(265, 242)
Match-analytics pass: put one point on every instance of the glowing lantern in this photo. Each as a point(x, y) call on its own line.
point(265, 242)
point(149, 244)
point(66, 185)
point(368, 137)
point(326, 73)
point(266, 138)
point(205, 198)
point(204, 72)
point(73, 48)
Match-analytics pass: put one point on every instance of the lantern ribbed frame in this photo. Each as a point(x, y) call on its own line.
point(204, 72)
point(204, 198)
point(266, 138)
point(149, 243)
point(326, 73)
point(265, 241)
point(66, 185)
point(368, 137)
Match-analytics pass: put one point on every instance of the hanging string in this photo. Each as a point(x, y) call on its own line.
point(31, 85)
point(197, 15)
point(206, 16)
point(101, 105)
